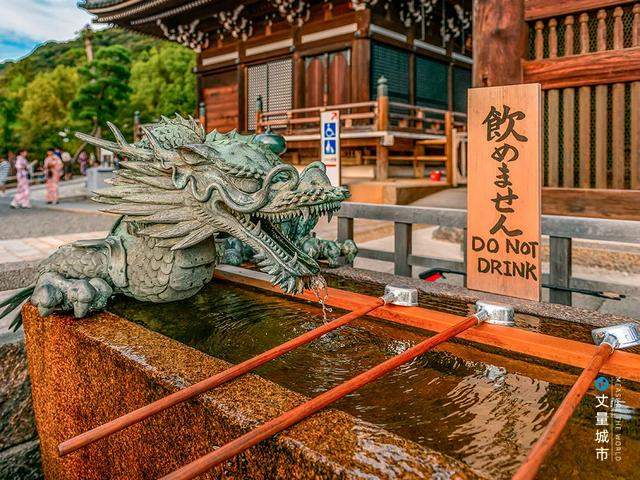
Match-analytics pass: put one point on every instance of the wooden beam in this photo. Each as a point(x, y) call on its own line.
point(501, 25)
point(536, 9)
point(560, 350)
point(592, 202)
point(596, 68)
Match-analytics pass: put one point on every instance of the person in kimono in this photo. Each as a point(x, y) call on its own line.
point(22, 197)
point(53, 170)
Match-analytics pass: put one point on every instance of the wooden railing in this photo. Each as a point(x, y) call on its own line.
point(375, 115)
point(357, 116)
point(588, 63)
point(560, 229)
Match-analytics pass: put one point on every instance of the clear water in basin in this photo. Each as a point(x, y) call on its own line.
point(477, 406)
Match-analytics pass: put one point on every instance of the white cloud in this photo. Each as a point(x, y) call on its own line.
point(41, 20)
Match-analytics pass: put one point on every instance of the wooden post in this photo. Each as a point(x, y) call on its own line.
point(345, 232)
point(382, 161)
point(617, 110)
point(560, 269)
point(584, 125)
point(601, 110)
point(402, 248)
point(382, 151)
point(499, 42)
point(635, 112)
point(345, 229)
point(448, 148)
point(259, 107)
point(553, 105)
point(568, 124)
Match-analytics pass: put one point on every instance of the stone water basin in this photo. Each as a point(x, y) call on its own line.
point(461, 411)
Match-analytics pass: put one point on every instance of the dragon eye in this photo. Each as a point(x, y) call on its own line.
point(249, 185)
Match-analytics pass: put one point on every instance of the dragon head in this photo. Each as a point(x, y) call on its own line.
point(181, 187)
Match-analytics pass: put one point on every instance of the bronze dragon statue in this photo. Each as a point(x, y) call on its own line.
point(181, 194)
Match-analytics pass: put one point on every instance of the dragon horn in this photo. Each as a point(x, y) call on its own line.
point(127, 148)
point(99, 142)
point(162, 153)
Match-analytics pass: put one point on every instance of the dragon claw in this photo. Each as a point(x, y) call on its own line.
point(55, 292)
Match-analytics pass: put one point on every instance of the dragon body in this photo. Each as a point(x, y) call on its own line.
point(182, 197)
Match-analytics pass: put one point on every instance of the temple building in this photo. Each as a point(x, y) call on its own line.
point(398, 72)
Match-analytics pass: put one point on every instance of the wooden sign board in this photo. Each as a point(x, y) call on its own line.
point(504, 190)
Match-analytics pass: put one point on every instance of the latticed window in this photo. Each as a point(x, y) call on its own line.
point(393, 64)
point(273, 82)
point(461, 83)
point(431, 83)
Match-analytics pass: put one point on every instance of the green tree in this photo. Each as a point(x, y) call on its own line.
point(11, 97)
point(45, 109)
point(105, 87)
point(163, 82)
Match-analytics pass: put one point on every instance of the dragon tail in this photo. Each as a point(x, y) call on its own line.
point(10, 304)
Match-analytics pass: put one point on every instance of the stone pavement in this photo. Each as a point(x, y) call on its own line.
point(37, 248)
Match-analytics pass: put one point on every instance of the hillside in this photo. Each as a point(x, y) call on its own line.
point(45, 96)
point(71, 53)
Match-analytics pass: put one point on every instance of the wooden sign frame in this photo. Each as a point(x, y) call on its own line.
point(504, 190)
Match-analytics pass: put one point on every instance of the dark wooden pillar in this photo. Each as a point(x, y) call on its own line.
point(360, 59)
point(499, 42)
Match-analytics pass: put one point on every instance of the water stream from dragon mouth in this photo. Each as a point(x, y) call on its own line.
point(318, 285)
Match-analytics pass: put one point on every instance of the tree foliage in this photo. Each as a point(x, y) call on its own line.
point(45, 107)
point(105, 86)
point(54, 89)
point(163, 83)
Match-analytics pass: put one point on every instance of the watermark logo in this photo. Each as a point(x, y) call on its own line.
point(609, 410)
point(601, 383)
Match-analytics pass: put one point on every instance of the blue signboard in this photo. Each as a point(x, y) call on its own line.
point(330, 130)
point(330, 146)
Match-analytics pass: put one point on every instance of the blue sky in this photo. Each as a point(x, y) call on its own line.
point(24, 24)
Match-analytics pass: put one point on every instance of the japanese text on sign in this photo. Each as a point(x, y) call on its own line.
point(503, 250)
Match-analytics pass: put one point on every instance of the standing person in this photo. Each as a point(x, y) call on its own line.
point(83, 159)
point(21, 198)
point(12, 163)
point(4, 174)
point(66, 160)
point(53, 169)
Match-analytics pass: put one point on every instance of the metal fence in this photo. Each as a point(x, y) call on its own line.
point(560, 229)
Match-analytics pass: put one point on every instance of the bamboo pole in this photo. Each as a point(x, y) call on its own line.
point(227, 375)
point(314, 405)
point(543, 446)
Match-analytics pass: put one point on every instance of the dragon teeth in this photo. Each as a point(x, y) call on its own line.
point(305, 213)
point(329, 216)
point(257, 229)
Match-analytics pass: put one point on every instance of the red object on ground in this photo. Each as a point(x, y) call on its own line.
point(287, 419)
point(435, 175)
point(434, 277)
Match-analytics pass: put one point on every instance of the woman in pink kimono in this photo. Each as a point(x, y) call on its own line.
point(21, 198)
point(53, 169)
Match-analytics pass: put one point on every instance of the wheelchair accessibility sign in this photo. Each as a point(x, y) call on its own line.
point(330, 144)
